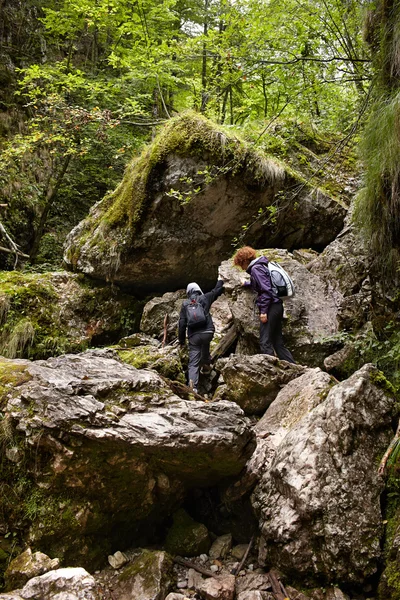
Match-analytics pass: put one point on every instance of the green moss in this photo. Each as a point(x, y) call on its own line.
point(11, 375)
point(143, 357)
point(187, 537)
point(187, 135)
point(379, 379)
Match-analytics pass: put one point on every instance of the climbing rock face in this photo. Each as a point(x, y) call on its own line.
point(311, 315)
point(344, 267)
point(181, 204)
point(253, 382)
point(295, 400)
point(318, 500)
point(109, 449)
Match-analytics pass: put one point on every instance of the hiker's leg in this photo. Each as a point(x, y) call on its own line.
point(205, 348)
point(266, 346)
point(195, 349)
point(275, 317)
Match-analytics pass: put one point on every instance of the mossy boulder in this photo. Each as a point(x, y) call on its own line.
point(149, 577)
point(186, 537)
point(184, 200)
point(46, 314)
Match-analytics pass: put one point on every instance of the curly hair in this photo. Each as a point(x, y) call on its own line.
point(244, 256)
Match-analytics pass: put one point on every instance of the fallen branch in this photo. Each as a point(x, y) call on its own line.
point(389, 451)
point(178, 388)
point(13, 252)
point(240, 565)
point(14, 248)
point(190, 565)
point(166, 320)
point(277, 587)
point(225, 343)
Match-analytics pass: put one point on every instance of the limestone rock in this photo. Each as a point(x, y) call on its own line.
point(296, 399)
point(253, 582)
point(149, 577)
point(253, 382)
point(311, 315)
point(186, 537)
point(62, 584)
point(154, 312)
point(28, 565)
point(218, 588)
point(344, 266)
point(118, 559)
point(170, 304)
point(112, 448)
point(255, 595)
point(239, 551)
point(336, 594)
point(174, 596)
point(319, 501)
point(144, 226)
point(221, 546)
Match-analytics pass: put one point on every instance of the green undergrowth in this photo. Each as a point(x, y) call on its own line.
point(47, 314)
point(381, 348)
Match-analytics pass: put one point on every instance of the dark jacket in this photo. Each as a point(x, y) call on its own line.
point(206, 300)
point(260, 281)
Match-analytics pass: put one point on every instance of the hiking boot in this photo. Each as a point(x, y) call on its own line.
point(191, 385)
point(206, 369)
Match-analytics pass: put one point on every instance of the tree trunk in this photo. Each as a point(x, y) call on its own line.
point(49, 201)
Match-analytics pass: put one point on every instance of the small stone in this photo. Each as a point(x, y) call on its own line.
point(221, 546)
point(239, 551)
point(195, 579)
point(250, 568)
point(118, 560)
point(203, 558)
point(214, 568)
point(182, 585)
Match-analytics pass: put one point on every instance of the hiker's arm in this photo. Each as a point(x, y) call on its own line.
point(262, 283)
point(216, 292)
point(182, 326)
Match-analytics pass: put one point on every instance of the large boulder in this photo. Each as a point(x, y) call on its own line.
point(61, 584)
point(148, 577)
point(318, 500)
point(253, 382)
point(183, 201)
point(97, 453)
point(311, 315)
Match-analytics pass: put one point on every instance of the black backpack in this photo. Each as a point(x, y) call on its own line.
point(195, 312)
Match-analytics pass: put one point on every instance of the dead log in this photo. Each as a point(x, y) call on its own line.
point(240, 565)
point(180, 388)
point(166, 320)
point(276, 587)
point(389, 451)
point(190, 565)
point(225, 343)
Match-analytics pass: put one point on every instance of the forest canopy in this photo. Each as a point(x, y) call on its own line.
point(87, 81)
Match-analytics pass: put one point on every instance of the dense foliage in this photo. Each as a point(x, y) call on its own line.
point(87, 81)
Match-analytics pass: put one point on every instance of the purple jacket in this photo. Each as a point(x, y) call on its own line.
point(260, 281)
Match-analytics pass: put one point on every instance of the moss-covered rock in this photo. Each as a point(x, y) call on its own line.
point(183, 201)
point(47, 314)
point(165, 361)
point(186, 537)
point(149, 577)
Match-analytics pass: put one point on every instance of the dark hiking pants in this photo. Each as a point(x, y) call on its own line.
point(199, 354)
point(271, 334)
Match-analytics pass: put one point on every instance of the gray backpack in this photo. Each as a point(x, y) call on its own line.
point(282, 283)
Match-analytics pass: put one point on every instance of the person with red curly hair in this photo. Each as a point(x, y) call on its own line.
point(269, 303)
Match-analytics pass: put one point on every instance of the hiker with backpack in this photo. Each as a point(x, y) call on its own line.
point(196, 319)
point(268, 300)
